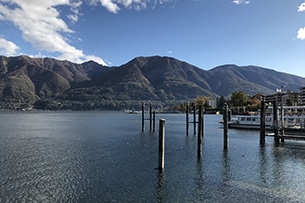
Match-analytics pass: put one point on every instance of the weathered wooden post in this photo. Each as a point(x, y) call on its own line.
point(187, 117)
point(143, 117)
point(262, 121)
point(161, 144)
point(282, 121)
point(276, 120)
point(194, 118)
point(154, 121)
point(202, 123)
point(229, 114)
point(225, 126)
point(200, 133)
point(150, 117)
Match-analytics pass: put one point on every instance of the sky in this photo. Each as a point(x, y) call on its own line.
point(204, 33)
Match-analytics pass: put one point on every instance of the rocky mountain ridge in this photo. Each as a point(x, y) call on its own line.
point(47, 82)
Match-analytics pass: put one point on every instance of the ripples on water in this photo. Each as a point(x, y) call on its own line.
point(103, 157)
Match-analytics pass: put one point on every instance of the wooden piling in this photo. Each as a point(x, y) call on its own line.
point(282, 131)
point(143, 117)
point(200, 133)
point(262, 121)
point(202, 123)
point(161, 144)
point(194, 118)
point(225, 127)
point(276, 120)
point(154, 121)
point(187, 117)
point(150, 118)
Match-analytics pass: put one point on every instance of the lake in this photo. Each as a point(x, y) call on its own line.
point(104, 157)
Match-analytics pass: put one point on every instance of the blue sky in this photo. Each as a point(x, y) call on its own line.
point(205, 33)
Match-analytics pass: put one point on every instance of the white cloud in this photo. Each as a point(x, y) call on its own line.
point(74, 9)
point(41, 25)
point(8, 48)
point(301, 33)
point(241, 1)
point(96, 59)
point(301, 7)
point(114, 6)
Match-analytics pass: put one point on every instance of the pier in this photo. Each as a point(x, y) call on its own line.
point(273, 118)
point(288, 121)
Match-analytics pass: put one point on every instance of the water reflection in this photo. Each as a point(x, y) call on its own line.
point(281, 167)
point(226, 166)
point(161, 190)
point(263, 165)
point(200, 180)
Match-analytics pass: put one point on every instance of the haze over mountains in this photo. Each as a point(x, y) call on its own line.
point(48, 83)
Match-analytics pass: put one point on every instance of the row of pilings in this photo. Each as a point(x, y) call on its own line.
point(151, 119)
point(152, 128)
point(278, 130)
point(197, 123)
point(198, 126)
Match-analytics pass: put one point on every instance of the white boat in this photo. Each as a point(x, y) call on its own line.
point(249, 122)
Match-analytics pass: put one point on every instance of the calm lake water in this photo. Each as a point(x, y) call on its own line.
point(104, 157)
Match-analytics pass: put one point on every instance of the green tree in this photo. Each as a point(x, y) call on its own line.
point(239, 98)
point(202, 100)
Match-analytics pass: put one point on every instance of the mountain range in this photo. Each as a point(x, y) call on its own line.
point(47, 83)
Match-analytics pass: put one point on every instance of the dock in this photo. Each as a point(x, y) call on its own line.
point(288, 121)
point(288, 136)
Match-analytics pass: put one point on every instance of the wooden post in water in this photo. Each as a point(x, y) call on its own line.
point(200, 133)
point(202, 123)
point(194, 118)
point(161, 144)
point(187, 117)
point(143, 117)
point(282, 121)
point(229, 114)
point(150, 117)
point(276, 120)
point(225, 126)
point(262, 121)
point(154, 121)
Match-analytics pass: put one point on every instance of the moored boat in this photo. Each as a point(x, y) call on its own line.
point(249, 122)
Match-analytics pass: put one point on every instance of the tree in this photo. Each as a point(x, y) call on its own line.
point(202, 100)
point(239, 98)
